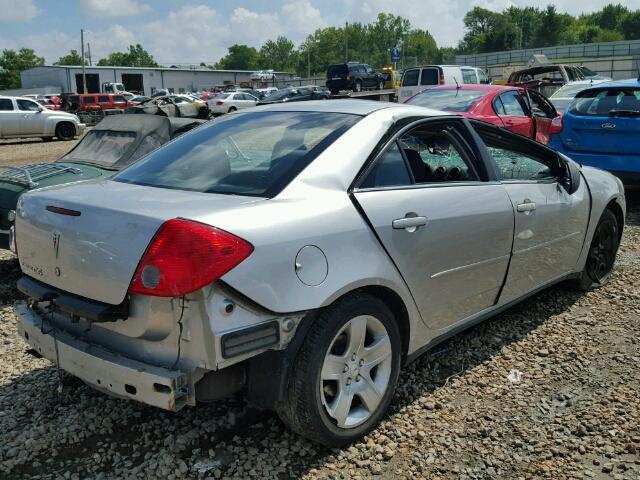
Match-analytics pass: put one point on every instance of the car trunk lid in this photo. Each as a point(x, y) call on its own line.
point(76, 240)
point(601, 134)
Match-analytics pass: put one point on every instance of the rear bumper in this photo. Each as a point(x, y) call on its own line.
point(103, 369)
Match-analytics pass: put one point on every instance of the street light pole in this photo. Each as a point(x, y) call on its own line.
point(308, 61)
point(84, 75)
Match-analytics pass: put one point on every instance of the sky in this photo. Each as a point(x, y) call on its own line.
point(191, 31)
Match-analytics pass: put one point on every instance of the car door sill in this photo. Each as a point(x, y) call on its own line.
point(482, 316)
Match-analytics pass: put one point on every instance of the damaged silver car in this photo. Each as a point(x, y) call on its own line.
point(303, 253)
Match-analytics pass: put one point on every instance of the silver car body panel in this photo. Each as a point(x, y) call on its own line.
point(313, 242)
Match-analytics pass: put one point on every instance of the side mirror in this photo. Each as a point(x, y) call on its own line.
point(571, 175)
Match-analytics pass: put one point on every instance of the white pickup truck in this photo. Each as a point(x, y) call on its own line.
point(23, 117)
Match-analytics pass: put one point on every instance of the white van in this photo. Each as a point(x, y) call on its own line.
point(416, 79)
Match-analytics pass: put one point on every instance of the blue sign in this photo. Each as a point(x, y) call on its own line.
point(395, 54)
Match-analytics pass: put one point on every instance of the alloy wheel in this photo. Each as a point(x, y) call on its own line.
point(356, 371)
point(602, 253)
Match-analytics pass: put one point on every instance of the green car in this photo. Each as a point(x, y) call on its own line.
point(116, 142)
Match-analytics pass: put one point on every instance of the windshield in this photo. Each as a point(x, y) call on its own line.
point(254, 154)
point(569, 91)
point(453, 100)
point(101, 147)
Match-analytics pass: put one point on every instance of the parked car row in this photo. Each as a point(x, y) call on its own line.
point(302, 252)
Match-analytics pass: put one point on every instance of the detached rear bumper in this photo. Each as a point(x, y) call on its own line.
point(104, 370)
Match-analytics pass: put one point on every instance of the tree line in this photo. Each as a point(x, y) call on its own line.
point(485, 31)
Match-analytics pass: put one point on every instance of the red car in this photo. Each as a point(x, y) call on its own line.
point(95, 101)
point(526, 112)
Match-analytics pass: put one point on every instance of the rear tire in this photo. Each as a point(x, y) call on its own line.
point(381, 85)
point(65, 131)
point(232, 109)
point(345, 373)
point(602, 253)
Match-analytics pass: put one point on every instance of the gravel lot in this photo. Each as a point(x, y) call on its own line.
point(21, 151)
point(549, 389)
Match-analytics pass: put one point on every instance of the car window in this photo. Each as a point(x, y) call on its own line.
point(449, 100)
point(6, 104)
point(410, 78)
point(389, 170)
point(28, 105)
point(103, 99)
point(510, 103)
point(119, 98)
point(517, 160)
point(256, 153)
point(606, 102)
point(469, 76)
point(431, 154)
point(430, 76)
point(540, 106)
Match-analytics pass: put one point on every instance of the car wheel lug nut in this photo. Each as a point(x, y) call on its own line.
point(345, 369)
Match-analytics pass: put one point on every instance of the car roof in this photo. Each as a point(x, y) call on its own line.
point(352, 106)
point(475, 86)
point(631, 82)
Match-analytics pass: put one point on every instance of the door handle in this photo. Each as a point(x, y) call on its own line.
point(409, 223)
point(526, 207)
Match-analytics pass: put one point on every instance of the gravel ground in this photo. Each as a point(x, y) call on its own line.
point(21, 151)
point(548, 389)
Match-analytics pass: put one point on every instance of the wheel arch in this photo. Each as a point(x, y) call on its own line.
point(615, 207)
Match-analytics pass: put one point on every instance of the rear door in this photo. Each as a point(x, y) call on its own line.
point(550, 224)
point(9, 118)
point(604, 121)
point(512, 109)
point(409, 84)
point(446, 227)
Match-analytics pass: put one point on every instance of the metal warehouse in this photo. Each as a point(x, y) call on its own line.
point(56, 79)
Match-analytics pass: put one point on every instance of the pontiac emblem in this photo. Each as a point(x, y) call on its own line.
point(56, 243)
point(609, 125)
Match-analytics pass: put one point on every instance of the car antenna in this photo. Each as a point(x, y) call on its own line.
point(457, 84)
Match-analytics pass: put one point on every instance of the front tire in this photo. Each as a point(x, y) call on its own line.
point(345, 372)
point(65, 131)
point(602, 253)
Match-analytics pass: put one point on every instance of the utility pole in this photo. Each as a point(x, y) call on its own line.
point(89, 54)
point(84, 75)
point(346, 42)
point(308, 61)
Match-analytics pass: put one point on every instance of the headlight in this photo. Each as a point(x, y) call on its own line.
point(11, 216)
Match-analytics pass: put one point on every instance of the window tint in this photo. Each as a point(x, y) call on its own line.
point(606, 102)
point(119, 98)
point(389, 170)
point(337, 71)
point(451, 100)
point(6, 104)
point(510, 103)
point(28, 105)
point(410, 78)
point(469, 76)
point(255, 153)
point(103, 99)
point(430, 76)
point(540, 107)
point(517, 160)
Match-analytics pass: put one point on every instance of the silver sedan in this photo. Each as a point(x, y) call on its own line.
point(303, 253)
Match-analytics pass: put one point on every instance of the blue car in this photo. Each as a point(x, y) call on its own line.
point(601, 128)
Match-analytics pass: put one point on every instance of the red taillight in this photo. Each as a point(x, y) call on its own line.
point(184, 256)
point(556, 125)
point(441, 79)
point(219, 102)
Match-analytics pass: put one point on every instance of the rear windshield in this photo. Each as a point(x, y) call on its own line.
point(337, 71)
point(430, 76)
point(255, 154)
point(101, 147)
point(607, 102)
point(448, 100)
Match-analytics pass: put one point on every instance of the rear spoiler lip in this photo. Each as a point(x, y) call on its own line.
point(75, 305)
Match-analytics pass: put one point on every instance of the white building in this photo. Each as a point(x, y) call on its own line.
point(58, 79)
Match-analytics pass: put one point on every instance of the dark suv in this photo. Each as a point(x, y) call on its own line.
point(353, 76)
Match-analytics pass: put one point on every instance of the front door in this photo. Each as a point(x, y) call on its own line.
point(512, 109)
point(9, 118)
point(543, 114)
point(550, 224)
point(32, 120)
point(447, 229)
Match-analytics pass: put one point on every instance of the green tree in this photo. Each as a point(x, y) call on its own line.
point(240, 57)
point(136, 56)
point(550, 28)
point(279, 54)
point(630, 25)
point(71, 58)
point(12, 63)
